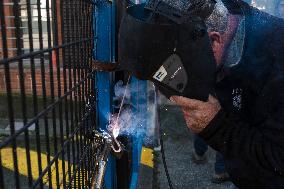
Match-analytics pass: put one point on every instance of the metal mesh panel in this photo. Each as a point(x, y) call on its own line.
point(46, 91)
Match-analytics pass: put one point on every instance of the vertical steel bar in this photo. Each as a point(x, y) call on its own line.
point(85, 52)
point(18, 33)
point(78, 69)
point(85, 12)
point(74, 67)
point(8, 82)
point(81, 88)
point(55, 43)
point(34, 91)
point(89, 53)
point(88, 92)
point(78, 63)
point(65, 89)
point(42, 68)
point(30, 179)
point(71, 84)
point(52, 88)
point(94, 84)
point(105, 19)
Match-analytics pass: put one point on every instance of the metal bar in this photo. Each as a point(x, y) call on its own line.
point(76, 145)
point(88, 1)
point(85, 92)
point(34, 92)
point(48, 50)
point(65, 91)
point(8, 84)
point(25, 121)
point(78, 54)
point(80, 72)
point(71, 82)
point(41, 114)
point(22, 87)
point(76, 170)
point(104, 21)
point(52, 91)
point(15, 28)
point(68, 15)
point(87, 95)
point(78, 63)
point(12, 3)
point(12, 17)
point(57, 156)
point(91, 91)
point(55, 43)
point(42, 68)
point(23, 38)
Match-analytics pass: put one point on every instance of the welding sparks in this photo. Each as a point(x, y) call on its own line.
point(115, 131)
point(115, 126)
point(130, 119)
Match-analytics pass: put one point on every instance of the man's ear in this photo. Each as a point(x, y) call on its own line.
point(216, 41)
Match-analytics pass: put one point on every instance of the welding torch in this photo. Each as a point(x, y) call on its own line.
point(104, 145)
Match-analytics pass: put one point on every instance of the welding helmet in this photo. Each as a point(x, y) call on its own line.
point(168, 43)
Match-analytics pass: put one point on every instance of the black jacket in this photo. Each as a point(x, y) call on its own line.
point(249, 130)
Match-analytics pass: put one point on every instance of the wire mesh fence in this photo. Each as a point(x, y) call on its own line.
point(46, 91)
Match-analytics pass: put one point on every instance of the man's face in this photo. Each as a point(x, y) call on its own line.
point(281, 9)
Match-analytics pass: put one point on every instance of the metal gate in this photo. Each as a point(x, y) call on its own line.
point(46, 93)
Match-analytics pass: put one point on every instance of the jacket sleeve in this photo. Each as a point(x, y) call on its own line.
point(259, 145)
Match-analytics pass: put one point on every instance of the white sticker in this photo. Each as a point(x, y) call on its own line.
point(160, 74)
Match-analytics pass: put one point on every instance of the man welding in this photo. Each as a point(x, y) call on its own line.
point(245, 120)
point(222, 61)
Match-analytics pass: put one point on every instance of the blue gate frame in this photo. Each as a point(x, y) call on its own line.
point(105, 50)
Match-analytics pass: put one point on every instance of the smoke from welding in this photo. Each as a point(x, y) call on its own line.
point(135, 119)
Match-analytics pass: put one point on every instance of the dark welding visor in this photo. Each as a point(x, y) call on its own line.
point(173, 52)
point(147, 31)
point(143, 43)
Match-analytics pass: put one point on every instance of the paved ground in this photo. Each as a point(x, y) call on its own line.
point(178, 147)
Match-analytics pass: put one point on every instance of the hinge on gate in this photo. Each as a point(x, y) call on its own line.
point(105, 66)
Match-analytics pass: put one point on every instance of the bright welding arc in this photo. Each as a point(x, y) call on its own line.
point(122, 102)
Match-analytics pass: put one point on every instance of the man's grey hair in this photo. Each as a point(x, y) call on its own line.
point(218, 20)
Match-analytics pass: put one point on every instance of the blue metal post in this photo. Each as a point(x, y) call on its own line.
point(104, 21)
point(104, 18)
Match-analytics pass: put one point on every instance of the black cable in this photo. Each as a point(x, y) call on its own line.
point(165, 163)
point(162, 148)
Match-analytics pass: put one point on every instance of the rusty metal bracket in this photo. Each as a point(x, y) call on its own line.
point(105, 66)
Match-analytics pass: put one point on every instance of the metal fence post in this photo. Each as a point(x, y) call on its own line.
point(105, 51)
